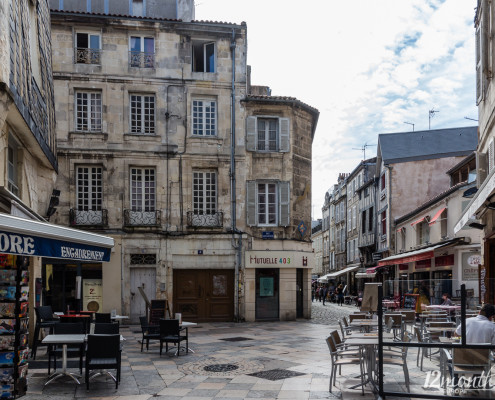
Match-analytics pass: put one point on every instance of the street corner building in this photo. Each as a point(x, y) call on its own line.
point(165, 146)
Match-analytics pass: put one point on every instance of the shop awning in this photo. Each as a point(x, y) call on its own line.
point(411, 256)
point(418, 221)
point(342, 271)
point(364, 275)
point(34, 238)
point(436, 216)
point(486, 190)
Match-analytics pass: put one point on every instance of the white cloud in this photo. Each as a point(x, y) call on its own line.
point(368, 66)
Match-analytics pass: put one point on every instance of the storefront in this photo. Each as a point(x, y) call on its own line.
point(278, 285)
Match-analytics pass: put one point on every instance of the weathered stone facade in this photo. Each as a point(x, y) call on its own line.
point(158, 138)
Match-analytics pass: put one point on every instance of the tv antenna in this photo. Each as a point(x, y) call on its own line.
point(409, 123)
point(431, 114)
point(471, 119)
point(363, 149)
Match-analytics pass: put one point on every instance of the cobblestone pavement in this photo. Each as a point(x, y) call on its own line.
point(268, 360)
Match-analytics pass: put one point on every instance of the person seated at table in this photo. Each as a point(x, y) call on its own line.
point(446, 300)
point(480, 329)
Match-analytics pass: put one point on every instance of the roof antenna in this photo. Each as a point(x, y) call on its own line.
point(431, 114)
point(410, 123)
point(363, 149)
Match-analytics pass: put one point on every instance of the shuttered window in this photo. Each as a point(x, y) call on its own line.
point(268, 203)
point(267, 134)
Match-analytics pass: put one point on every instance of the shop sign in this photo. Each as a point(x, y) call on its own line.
point(29, 245)
point(92, 294)
point(444, 261)
point(470, 266)
point(423, 264)
point(279, 259)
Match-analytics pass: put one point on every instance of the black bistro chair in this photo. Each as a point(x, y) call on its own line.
point(103, 318)
point(103, 353)
point(107, 329)
point(74, 350)
point(44, 319)
point(150, 332)
point(171, 332)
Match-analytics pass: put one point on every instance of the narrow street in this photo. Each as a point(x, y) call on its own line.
point(330, 313)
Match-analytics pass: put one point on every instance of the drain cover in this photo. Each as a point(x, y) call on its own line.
point(236, 339)
point(220, 367)
point(276, 374)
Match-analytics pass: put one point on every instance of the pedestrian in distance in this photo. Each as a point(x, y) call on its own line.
point(340, 294)
point(325, 293)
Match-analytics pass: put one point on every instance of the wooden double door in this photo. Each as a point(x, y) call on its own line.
point(204, 295)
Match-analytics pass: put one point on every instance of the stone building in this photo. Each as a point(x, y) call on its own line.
point(165, 146)
point(317, 240)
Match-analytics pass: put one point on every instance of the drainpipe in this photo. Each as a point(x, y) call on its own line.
point(233, 204)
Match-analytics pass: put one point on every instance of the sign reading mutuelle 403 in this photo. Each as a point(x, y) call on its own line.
point(279, 259)
point(16, 243)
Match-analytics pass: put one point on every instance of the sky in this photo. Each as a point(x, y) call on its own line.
point(368, 66)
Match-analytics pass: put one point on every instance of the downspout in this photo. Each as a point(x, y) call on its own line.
point(233, 204)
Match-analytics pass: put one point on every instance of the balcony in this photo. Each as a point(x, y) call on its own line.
point(139, 59)
point(88, 218)
point(214, 220)
point(88, 56)
point(142, 218)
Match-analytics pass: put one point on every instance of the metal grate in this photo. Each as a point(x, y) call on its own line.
point(220, 367)
point(236, 339)
point(142, 259)
point(276, 374)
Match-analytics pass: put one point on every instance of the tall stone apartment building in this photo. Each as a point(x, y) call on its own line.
point(164, 145)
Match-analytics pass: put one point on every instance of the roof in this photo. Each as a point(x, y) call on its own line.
point(425, 145)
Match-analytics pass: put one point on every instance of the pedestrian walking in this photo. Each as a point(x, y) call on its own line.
point(340, 294)
point(325, 293)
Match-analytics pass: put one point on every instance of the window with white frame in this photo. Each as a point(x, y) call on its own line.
point(204, 117)
point(268, 203)
point(142, 52)
point(12, 160)
point(423, 232)
point(142, 114)
point(88, 47)
point(89, 188)
point(88, 111)
point(204, 193)
point(143, 189)
point(354, 210)
point(267, 134)
point(203, 56)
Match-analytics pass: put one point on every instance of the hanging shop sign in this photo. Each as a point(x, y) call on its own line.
point(30, 245)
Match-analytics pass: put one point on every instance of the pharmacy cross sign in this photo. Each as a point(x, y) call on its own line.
point(302, 228)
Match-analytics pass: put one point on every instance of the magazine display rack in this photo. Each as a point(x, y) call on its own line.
point(14, 325)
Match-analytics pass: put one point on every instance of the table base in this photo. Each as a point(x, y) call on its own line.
point(53, 377)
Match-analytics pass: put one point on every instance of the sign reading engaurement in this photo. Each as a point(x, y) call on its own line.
point(29, 245)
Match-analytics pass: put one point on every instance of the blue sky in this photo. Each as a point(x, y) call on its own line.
point(368, 66)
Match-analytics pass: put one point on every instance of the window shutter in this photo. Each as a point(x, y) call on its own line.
point(284, 200)
point(251, 133)
point(251, 203)
point(491, 155)
point(284, 134)
point(479, 68)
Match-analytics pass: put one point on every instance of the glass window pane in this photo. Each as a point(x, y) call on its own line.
point(210, 57)
point(135, 43)
point(149, 45)
point(94, 41)
point(82, 40)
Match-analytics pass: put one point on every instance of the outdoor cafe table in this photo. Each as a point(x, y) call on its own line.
point(445, 308)
point(366, 324)
point(391, 303)
point(64, 340)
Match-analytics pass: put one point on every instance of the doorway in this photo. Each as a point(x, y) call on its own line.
point(146, 279)
point(267, 294)
point(204, 295)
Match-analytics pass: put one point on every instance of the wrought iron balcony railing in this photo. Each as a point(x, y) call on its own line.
point(88, 56)
point(142, 218)
point(139, 59)
point(205, 220)
point(88, 218)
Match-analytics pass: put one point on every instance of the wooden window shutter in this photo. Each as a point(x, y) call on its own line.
point(284, 134)
point(284, 203)
point(491, 155)
point(252, 215)
point(251, 134)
